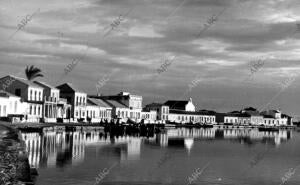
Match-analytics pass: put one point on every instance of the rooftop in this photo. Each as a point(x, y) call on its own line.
point(70, 87)
point(22, 80)
point(115, 103)
point(7, 94)
point(98, 102)
point(45, 85)
point(176, 104)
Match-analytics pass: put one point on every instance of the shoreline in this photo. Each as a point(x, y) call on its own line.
point(24, 126)
point(14, 164)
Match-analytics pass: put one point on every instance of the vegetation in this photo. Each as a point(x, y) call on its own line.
point(33, 72)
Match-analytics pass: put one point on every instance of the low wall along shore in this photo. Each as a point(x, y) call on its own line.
point(14, 165)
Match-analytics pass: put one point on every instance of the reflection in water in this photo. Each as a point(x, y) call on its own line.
point(60, 148)
point(185, 137)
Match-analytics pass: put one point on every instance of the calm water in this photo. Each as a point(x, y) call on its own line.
point(220, 156)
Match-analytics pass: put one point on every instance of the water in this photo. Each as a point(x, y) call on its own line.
point(178, 157)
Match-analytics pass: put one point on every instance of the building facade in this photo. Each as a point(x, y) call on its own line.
point(77, 99)
point(51, 99)
point(29, 92)
point(98, 111)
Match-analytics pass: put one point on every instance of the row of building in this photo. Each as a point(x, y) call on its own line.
point(26, 101)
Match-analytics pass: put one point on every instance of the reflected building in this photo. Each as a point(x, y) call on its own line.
point(52, 148)
point(58, 149)
point(184, 137)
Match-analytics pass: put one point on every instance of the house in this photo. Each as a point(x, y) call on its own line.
point(162, 111)
point(77, 99)
point(11, 107)
point(206, 117)
point(231, 118)
point(130, 101)
point(244, 119)
point(51, 99)
point(269, 120)
point(98, 111)
point(276, 118)
point(255, 116)
point(119, 110)
point(29, 92)
point(149, 116)
point(181, 105)
point(289, 119)
point(63, 111)
point(183, 117)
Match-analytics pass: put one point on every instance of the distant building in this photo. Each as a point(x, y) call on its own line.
point(29, 92)
point(256, 117)
point(181, 105)
point(183, 117)
point(125, 100)
point(77, 99)
point(149, 116)
point(276, 118)
point(231, 118)
point(119, 110)
point(98, 111)
point(161, 109)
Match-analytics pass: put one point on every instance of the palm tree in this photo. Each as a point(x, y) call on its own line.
point(32, 72)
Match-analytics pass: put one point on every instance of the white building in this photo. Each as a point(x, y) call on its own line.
point(77, 99)
point(11, 107)
point(149, 116)
point(276, 118)
point(125, 100)
point(161, 110)
point(29, 92)
point(98, 111)
point(51, 98)
point(183, 117)
point(119, 110)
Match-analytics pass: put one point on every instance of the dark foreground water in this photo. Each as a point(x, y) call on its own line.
point(177, 157)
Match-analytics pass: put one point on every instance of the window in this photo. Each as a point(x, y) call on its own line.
point(30, 110)
point(30, 95)
point(76, 113)
point(0, 110)
point(39, 110)
point(83, 101)
point(35, 98)
point(40, 96)
point(4, 110)
point(83, 114)
point(80, 101)
point(34, 110)
point(94, 114)
point(18, 92)
point(16, 107)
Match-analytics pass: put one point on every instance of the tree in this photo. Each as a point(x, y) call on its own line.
point(33, 72)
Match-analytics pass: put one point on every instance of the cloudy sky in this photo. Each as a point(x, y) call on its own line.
point(208, 61)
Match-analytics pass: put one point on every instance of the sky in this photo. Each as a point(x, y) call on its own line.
point(224, 54)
